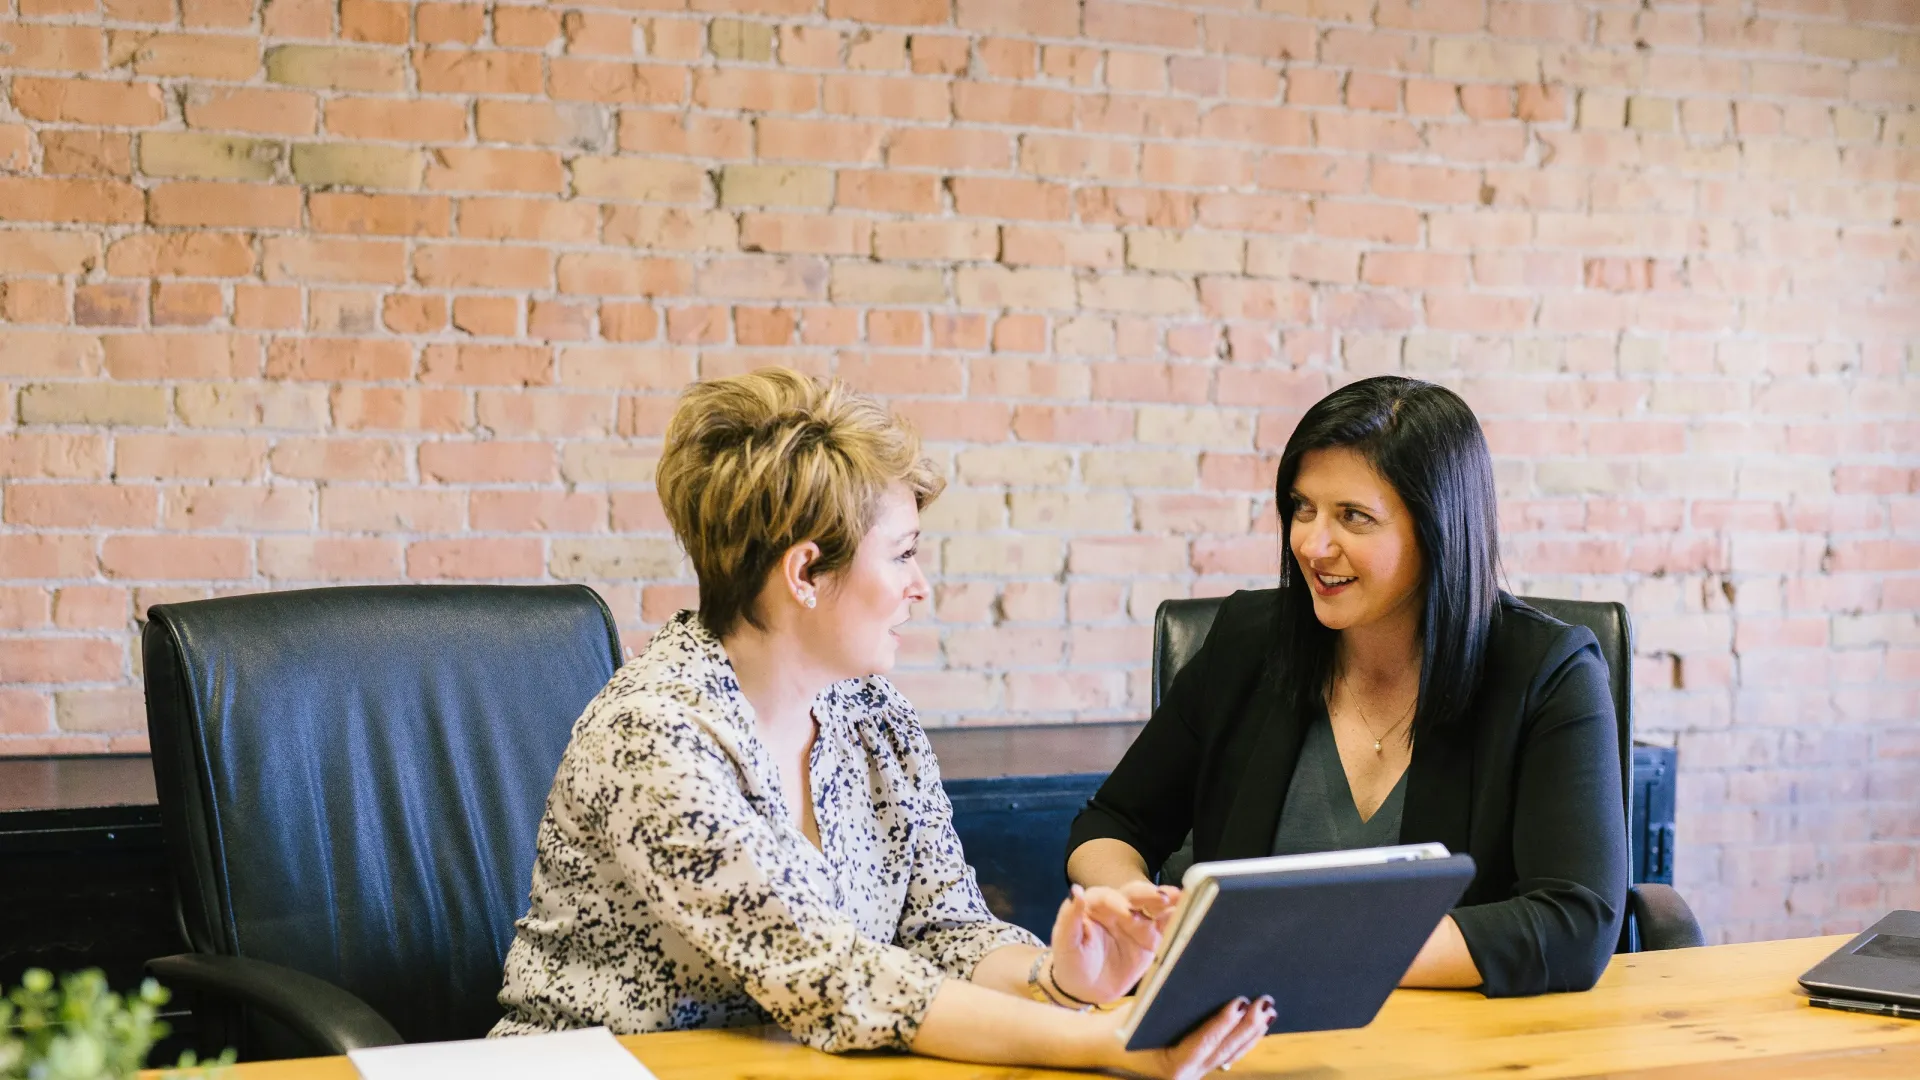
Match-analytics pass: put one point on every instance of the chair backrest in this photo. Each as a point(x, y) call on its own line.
point(350, 779)
point(1180, 626)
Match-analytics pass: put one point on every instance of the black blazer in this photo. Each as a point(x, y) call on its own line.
point(1529, 786)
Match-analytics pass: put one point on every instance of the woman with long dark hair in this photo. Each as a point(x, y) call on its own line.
point(1389, 692)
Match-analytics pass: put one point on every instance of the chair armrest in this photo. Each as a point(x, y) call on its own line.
point(328, 1018)
point(1665, 921)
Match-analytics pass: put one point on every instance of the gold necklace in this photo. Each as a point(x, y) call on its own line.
point(1365, 720)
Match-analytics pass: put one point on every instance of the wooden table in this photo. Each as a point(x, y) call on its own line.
point(1693, 1014)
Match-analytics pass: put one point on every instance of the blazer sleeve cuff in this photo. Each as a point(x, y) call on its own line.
point(1494, 942)
point(1096, 823)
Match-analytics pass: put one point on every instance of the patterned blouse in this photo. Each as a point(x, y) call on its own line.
point(673, 889)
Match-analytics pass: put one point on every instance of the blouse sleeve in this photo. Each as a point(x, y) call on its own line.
point(946, 919)
point(684, 834)
point(1558, 930)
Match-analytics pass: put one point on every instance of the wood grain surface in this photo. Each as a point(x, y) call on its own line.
point(1722, 1012)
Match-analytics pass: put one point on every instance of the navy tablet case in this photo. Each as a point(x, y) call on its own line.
point(1328, 944)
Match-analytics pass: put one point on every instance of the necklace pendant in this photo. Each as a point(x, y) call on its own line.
point(1376, 746)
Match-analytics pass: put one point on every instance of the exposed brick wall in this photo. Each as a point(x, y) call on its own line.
point(306, 293)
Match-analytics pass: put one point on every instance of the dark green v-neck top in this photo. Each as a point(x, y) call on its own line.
point(1319, 813)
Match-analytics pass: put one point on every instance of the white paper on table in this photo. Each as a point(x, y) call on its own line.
point(581, 1054)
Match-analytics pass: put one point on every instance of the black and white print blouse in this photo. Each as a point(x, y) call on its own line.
point(673, 889)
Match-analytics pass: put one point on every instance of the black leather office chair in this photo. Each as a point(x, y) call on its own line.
point(350, 780)
point(1658, 915)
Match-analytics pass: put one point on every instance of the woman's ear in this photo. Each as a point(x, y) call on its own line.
point(796, 572)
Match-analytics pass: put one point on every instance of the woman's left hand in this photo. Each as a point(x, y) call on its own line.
point(1104, 938)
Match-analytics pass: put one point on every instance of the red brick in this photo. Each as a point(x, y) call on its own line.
point(275, 508)
point(482, 266)
point(888, 192)
point(213, 356)
point(379, 408)
point(48, 353)
point(1139, 24)
point(266, 307)
point(598, 274)
point(478, 71)
point(598, 33)
point(1041, 18)
point(60, 660)
point(68, 200)
point(176, 558)
point(383, 215)
point(493, 462)
point(938, 54)
point(333, 359)
point(298, 19)
point(519, 26)
point(1323, 173)
point(1008, 58)
point(90, 607)
point(538, 511)
point(892, 374)
point(487, 365)
point(1266, 37)
point(181, 254)
point(454, 169)
point(1002, 103)
point(725, 137)
point(241, 205)
point(486, 218)
point(487, 316)
point(187, 303)
point(554, 320)
point(399, 120)
point(329, 558)
point(945, 148)
point(34, 302)
point(628, 322)
point(609, 81)
point(380, 509)
point(557, 415)
point(311, 259)
point(43, 47)
point(84, 506)
point(109, 304)
point(757, 90)
point(896, 98)
point(484, 558)
point(339, 459)
point(450, 24)
point(994, 197)
point(1380, 223)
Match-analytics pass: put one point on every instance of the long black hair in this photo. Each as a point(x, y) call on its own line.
point(1424, 440)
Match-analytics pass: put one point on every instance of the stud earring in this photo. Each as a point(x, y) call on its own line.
point(808, 600)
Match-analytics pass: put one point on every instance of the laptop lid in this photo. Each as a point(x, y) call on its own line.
point(1880, 964)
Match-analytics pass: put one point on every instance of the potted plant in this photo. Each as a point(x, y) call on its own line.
point(81, 1030)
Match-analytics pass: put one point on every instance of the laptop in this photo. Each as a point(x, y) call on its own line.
point(1877, 972)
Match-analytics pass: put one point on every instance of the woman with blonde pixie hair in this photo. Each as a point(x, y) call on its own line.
point(748, 823)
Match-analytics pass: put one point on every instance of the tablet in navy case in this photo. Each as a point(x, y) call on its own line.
point(1329, 945)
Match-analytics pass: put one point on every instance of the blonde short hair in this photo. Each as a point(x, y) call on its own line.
point(757, 463)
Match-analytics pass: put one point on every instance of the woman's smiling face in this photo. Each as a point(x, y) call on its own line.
point(1354, 538)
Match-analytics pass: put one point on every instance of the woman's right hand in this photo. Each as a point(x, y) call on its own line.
point(1216, 1044)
